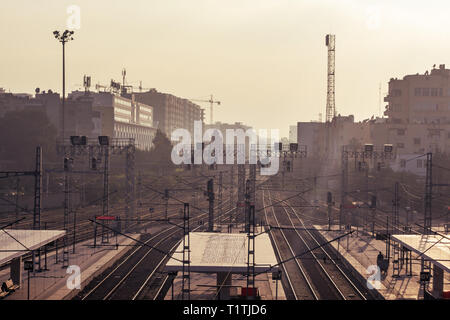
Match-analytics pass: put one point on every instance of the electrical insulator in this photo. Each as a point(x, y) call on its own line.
point(166, 193)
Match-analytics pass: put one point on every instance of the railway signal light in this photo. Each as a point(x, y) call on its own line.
point(78, 141)
point(293, 147)
point(388, 148)
point(329, 197)
point(103, 140)
point(373, 202)
point(94, 163)
point(368, 147)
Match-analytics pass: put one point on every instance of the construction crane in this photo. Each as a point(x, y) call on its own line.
point(211, 102)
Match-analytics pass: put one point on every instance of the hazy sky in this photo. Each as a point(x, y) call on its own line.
point(265, 60)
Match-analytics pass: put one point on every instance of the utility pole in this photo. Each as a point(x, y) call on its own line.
point(38, 198)
point(428, 194)
point(210, 194)
point(139, 191)
point(395, 207)
point(166, 202)
point(252, 174)
point(373, 206)
point(247, 205)
point(425, 265)
point(329, 205)
point(63, 38)
point(220, 194)
point(67, 168)
point(130, 197)
point(231, 197)
point(105, 238)
point(344, 181)
point(17, 197)
point(395, 224)
point(186, 267)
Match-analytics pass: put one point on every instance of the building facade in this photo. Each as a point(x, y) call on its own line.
point(121, 117)
point(420, 98)
point(170, 112)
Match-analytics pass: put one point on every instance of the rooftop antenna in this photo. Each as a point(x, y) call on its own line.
point(86, 83)
point(124, 74)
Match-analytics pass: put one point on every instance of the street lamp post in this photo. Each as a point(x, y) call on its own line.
point(66, 36)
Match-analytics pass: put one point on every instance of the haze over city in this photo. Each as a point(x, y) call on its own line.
point(264, 59)
point(322, 174)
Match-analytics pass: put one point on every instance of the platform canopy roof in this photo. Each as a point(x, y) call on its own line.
point(15, 243)
point(434, 248)
point(224, 252)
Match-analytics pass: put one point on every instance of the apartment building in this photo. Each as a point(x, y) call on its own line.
point(170, 112)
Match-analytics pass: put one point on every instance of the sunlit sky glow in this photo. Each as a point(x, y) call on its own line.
point(265, 60)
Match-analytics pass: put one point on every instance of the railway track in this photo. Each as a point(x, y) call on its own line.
point(294, 277)
point(324, 278)
point(347, 287)
point(139, 274)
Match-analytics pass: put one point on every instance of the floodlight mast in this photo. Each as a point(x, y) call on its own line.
point(66, 36)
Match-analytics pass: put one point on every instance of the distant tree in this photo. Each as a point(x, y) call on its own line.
point(21, 132)
point(159, 157)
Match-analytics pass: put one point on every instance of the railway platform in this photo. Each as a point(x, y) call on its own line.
point(219, 264)
point(360, 250)
point(55, 282)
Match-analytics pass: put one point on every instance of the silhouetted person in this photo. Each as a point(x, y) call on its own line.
point(380, 259)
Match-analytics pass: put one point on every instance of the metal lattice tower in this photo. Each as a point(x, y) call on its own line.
point(396, 263)
point(37, 200)
point(251, 248)
point(37, 190)
point(220, 194)
point(67, 167)
point(231, 195)
point(186, 267)
point(252, 184)
point(241, 192)
point(330, 41)
point(105, 207)
point(130, 197)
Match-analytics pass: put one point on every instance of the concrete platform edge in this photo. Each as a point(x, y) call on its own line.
point(72, 293)
point(351, 266)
